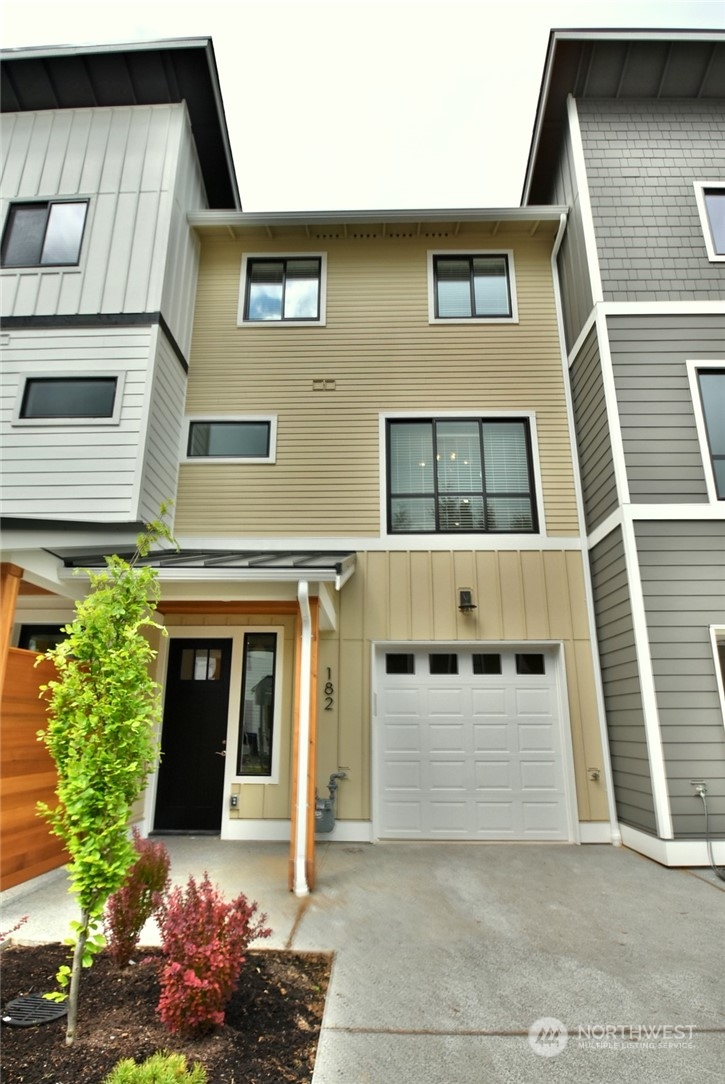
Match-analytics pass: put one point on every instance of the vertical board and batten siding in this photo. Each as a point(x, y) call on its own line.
point(382, 355)
point(124, 161)
point(162, 433)
point(682, 568)
point(80, 472)
point(259, 801)
point(599, 483)
point(642, 159)
point(662, 453)
point(572, 263)
point(411, 597)
point(621, 685)
point(182, 260)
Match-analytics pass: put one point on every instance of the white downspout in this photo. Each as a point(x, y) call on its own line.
point(301, 888)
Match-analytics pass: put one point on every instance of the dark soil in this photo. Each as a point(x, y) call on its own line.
point(269, 1036)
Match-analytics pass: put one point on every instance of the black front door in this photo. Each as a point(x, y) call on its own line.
point(190, 789)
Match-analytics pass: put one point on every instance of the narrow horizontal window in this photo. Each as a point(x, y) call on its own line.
point(472, 287)
point(44, 234)
point(530, 663)
point(68, 397)
point(40, 638)
point(283, 289)
point(399, 663)
point(467, 475)
point(712, 393)
point(229, 439)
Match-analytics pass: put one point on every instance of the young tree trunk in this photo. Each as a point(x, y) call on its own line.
point(75, 980)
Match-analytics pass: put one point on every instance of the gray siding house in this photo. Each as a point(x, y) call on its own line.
point(630, 135)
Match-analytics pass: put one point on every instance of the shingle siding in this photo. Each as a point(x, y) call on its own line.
point(642, 159)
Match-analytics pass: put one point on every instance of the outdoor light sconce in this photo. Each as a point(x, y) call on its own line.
point(465, 600)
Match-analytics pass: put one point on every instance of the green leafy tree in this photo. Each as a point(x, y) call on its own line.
point(104, 710)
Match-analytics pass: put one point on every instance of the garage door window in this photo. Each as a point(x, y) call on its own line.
point(397, 663)
point(487, 662)
point(443, 663)
point(530, 663)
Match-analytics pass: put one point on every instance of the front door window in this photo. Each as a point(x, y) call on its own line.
point(256, 736)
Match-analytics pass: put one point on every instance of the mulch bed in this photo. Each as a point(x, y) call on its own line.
point(269, 1036)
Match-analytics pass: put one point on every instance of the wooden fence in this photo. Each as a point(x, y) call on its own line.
point(27, 774)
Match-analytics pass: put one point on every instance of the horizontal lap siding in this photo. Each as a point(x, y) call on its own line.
point(642, 159)
point(82, 471)
point(163, 432)
point(662, 453)
point(682, 566)
point(599, 487)
point(383, 355)
point(620, 679)
point(123, 160)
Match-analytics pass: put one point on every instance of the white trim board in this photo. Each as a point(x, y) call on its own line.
point(598, 832)
point(672, 852)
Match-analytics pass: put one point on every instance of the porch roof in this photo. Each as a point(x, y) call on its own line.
point(275, 565)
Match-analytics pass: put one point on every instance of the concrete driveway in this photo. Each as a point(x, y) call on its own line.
point(447, 954)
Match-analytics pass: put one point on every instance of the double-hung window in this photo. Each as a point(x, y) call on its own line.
point(460, 475)
point(45, 234)
point(282, 289)
point(471, 286)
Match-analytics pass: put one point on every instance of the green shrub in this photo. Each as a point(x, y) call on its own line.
point(160, 1068)
point(138, 898)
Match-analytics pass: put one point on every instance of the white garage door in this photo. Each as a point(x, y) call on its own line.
point(469, 745)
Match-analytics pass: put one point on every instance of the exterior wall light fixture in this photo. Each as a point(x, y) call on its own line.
point(465, 600)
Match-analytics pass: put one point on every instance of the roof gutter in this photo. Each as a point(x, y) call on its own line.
point(331, 218)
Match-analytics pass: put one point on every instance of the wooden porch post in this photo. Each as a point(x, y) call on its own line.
point(307, 828)
point(312, 762)
point(10, 577)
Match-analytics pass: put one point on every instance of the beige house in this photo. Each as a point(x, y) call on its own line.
point(380, 539)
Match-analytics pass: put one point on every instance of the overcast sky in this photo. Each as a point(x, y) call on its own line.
point(359, 104)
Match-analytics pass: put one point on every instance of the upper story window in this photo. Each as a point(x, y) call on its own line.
point(232, 439)
point(712, 392)
point(460, 475)
point(44, 234)
point(69, 399)
point(471, 286)
point(282, 289)
point(711, 205)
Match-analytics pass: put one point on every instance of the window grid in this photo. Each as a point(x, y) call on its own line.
point(483, 503)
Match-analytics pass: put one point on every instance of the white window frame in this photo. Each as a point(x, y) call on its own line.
point(42, 423)
point(693, 368)
point(322, 319)
point(700, 187)
point(270, 419)
point(49, 201)
point(453, 539)
point(507, 252)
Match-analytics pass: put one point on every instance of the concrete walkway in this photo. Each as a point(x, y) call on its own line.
point(447, 954)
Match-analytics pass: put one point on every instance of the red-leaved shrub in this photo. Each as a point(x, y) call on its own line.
point(138, 898)
point(204, 938)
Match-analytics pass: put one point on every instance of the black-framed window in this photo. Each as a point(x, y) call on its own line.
point(280, 289)
point(712, 393)
point(48, 397)
point(472, 287)
point(47, 234)
point(40, 638)
point(256, 737)
point(229, 439)
point(460, 475)
point(714, 199)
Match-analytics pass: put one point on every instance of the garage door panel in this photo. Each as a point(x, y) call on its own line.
point(470, 755)
point(490, 737)
point(402, 737)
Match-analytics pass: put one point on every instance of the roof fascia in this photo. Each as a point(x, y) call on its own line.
point(225, 219)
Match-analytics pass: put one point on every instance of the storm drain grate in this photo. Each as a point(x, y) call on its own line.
point(25, 1012)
